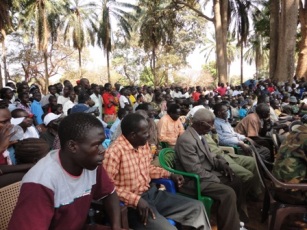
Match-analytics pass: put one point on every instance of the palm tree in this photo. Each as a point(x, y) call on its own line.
point(44, 14)
point(156, 27)
point(256, 53)
point(239, 15)
point(210, 50)
point(79, 25)
point(114, 13)
point(242, 12)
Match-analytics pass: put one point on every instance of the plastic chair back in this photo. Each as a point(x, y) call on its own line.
point(167, 161)
point(275, 191)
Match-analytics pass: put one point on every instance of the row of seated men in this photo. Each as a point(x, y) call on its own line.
point(223, 187)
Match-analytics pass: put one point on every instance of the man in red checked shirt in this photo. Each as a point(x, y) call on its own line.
point(128, 164)
point(109, 104)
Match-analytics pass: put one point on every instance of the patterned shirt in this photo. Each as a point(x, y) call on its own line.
point(26, 108)
point(131, 170)
point(291, 161)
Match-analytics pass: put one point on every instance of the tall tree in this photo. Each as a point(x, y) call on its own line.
point(79, 25)
point(301, 69)
point(156, 27)
point(6, 7)
point(120, 13)
point(43, 14)
point(241, 12)
point(210, 48)
point(287, 28)
point(220, 21)
point(274, 22)
point(256, 53)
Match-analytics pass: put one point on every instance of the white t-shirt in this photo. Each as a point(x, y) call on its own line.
point(61, 100)
point(123, 101)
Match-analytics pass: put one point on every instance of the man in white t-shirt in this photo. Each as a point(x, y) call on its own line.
point(56, 193)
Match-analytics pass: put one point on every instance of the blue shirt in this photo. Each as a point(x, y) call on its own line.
point(114, 127)
point(37, 110)
point(242, 113)
point(227, 135)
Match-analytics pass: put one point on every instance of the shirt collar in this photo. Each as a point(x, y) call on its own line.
point(221, 120)
point(127, 145)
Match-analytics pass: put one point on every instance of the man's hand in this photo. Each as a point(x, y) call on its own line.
point(227, 171)
point(5, 136)
point(246, 149)
point(178, 179)
point(144, 210)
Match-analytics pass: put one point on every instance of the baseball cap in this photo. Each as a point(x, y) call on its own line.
point(50, 117)
point(82, 108)
point(17, 121)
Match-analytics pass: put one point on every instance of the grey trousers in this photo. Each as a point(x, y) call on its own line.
point(186, 211)
point(224, 194)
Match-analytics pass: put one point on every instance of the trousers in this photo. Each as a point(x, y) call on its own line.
point(186, 211)
point(225, 194)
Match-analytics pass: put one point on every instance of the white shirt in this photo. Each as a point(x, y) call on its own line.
point(68, 105)
point(31, 132)
point(98, 103)
point(45, 100)
point(177, 94)
point(62, 100)
point(123, 101)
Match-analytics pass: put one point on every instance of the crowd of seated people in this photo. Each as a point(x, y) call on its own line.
point(195, 121)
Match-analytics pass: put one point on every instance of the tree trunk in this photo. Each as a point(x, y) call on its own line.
point(259, 59)
point(224, 16)
point(1, 79)
point(221, 61)
point(108, 66)
point(301, 69)
point(80, 63)
point(287, 40)
point(4, 56)
point(46, 71)
point(154, 66)
point(274, 22)
point(241, 61)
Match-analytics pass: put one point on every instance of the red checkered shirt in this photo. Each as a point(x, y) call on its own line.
point(131, 170)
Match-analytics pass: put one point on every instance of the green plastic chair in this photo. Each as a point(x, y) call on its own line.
point(164, 145)
point(166, 159)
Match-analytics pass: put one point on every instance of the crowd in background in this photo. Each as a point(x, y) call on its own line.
point(34, 118)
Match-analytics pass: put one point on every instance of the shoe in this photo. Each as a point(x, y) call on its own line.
point(243, 216)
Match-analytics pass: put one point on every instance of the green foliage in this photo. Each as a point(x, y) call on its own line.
point(121, 13)
point(79, 23)
point(235, 80)
point(261, 22)
point(147, 77)
point(211, 69)
point(156, 23)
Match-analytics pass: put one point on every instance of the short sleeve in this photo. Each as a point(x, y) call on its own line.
point(104, 185)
